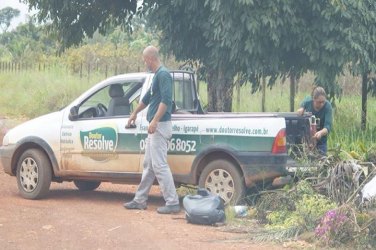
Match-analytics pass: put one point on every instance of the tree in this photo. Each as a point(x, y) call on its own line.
point(263, 36)
point(256, 38)
point(28, 42)
point(362, 39)
point(353, 39)
point(216, 33)
point(269, 38)
point(75, 19)
point(187, 33)
point(6, 16)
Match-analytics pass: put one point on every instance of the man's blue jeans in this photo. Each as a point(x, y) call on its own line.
point(322, 147)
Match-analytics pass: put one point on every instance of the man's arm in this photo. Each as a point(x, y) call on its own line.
point(300, 111)
point(302, 106)
point(321, 133)
point(142, 104)
point(328, 117)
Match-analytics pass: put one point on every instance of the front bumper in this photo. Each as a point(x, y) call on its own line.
point(6, 155)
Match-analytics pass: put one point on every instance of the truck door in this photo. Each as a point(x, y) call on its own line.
point(185, 130)
point(95, 139)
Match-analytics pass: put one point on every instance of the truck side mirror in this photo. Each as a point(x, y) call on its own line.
point(73, 113)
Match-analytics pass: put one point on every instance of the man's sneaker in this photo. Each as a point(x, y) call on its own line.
point(171, 209)
point(135, 205)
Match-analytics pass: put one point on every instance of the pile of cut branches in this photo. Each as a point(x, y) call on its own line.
point(328, 203)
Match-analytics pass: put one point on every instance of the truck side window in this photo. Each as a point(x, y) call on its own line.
point(114, 100)
point(95, 105)
point(183, 95)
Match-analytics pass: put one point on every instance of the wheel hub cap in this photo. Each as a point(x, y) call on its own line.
point(220, 182)
point(29, 174)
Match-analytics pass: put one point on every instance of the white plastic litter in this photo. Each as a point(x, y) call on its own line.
point(369, 190)
point(241, 211)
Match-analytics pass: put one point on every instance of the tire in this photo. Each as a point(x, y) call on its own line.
point(34, 174)
point(221, 177)
point(87, 185)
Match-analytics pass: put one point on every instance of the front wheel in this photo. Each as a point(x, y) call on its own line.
point(87, 185)
point(221, 177)
point(34, 174)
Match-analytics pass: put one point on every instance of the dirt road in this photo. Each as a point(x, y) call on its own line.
point(72, 219)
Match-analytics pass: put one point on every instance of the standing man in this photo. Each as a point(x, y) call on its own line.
point(321, 108)
point(159, 99)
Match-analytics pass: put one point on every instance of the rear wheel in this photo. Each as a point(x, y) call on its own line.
point(34, 174)
point(221, 177)
point(87, 185)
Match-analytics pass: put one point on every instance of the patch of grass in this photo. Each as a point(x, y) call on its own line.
point(186, 190)
point(33, 93)
point(346, 126)
point(230, 214)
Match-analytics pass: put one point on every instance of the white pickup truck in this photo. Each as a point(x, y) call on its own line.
point(87, 142)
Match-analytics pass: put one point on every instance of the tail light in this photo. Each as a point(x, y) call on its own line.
point(279, 145)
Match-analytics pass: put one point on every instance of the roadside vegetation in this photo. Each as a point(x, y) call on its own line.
point(321, 209)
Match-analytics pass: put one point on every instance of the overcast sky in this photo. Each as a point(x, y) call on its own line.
point(15, 4)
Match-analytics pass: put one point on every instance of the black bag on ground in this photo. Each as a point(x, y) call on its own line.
point(204, 208)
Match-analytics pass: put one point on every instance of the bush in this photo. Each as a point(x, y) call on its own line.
point(289, 213)
point(344, 225)
point(305, 217)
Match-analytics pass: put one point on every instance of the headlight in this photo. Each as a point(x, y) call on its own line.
point(6, 140)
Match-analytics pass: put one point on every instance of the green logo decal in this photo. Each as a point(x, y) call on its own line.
point(99, 140)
